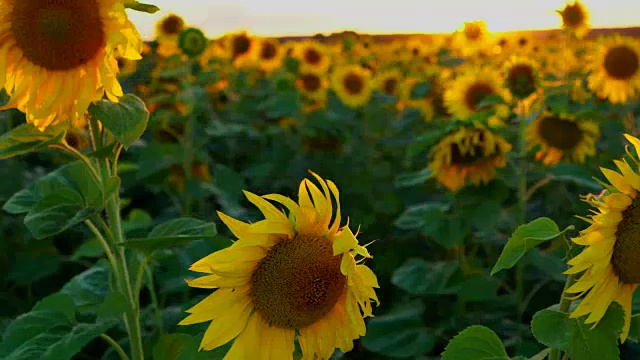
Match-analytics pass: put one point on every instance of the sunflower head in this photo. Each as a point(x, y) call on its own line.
point(388, 82)
point(312, 85)
point(474, 30)
point(56, 57)
point(352, 85)
point(312, 55)
point(270, 54)
point(575, 18)
point(521, 75)
point(608, 265)
point(562, 138)
point(192, 42)
point(615, 69)
point(169, 27)
point(468, 155)
point(287, 276)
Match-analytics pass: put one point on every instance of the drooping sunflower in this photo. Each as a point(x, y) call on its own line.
point(389, 81)
point(56, 57)
point(286, 276)
point(465, 94)
point(468, 155)
point(615, 69)
point(575, 18)
point(270, 55)
point(521, 76)
point(312, 55)
point(472, 38)
point(562, 137)
point(609, 263)
point(352, 85)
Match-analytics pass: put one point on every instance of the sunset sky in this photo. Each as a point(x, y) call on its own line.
point(291, 17)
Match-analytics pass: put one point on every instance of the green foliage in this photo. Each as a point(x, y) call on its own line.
point(126, 119)
point(173, 233)
point(556, 330)
point(525, 238)
point(27, 138)
point(475, 343)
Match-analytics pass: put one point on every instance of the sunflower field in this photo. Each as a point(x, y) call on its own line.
point(464, 196)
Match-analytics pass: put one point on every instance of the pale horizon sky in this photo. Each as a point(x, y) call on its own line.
point(291, 17)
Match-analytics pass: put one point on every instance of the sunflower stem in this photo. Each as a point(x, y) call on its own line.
point(522, 212)
point(187, 160)
point(132, 315)
point(565, 302)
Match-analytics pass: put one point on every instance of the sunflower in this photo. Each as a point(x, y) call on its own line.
point(56, 57)
point(609, 263)
point(270, 54)
point(388, 82)
point(472, 38)
point(465, 94)
point(561, 137)
point(615, 69)
point(575, 18)
point(169, 27)
point(286, 277)
point(521, 77)
point(352, 85)
point(468, 155)
point(312, 85)
point(312, 55)
point(242, 48)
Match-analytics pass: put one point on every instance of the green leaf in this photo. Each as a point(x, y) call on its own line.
point(420, 90)
point(113, 306)
point(476, 288)
point(173, 233)
point(634, 331)
point(127, 119)
point(60, 302)
point(475, 343)
point(525, 238)
point(542, 355)
point(412, 179)
point(576, 174)
point(489, 101)
point(147, 8)
point(21, 202)
point(418, 277)
point(399, 333)
point(27, 138)
point(556, 330)
point(57, 212)
point(90, 287)
point(417, 216)
point(89, 249)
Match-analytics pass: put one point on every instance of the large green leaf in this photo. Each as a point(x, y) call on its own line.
point(475, 343)
point(417, 216)
point(173, 233)
point(400, 333)
point(127, 119)
point(556, 330)
point(418, 277)
point(180, 346)
point(27, 138)
point(525, 238)
point(90, 287)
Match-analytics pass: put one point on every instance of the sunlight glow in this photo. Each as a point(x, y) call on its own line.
point(286, 17)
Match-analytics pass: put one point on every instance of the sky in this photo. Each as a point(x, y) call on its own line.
point(304, 17)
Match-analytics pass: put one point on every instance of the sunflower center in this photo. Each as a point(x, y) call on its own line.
point(298, 282)
point(621, 62)
point(473, 32)
point(390, 86)
point(310, 82)
point(470, 156)
point(626, 251)
point(523, 41)
point(415, 51)
point(240, 45)
point(268, 51)
point(172, 25)
point(353, 83)
point(521, 80)
point(560, 133)
point(503, 42)
point(58, 34)
point(572, 15)
point(312, 56)
point(475, 94)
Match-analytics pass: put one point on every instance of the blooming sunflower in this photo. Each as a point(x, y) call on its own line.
point(561, 137)
point(56, 57)
point(312, 55)
point(468, 155)
point(615, 69)
point(465, 94)
point(270, 55)
point(388, 82)
point(169, 27)
point(472, 38)
point(286, 276)
point(352, 85)
point(242, 48)
point(575, 18)
point(521, 76)
point(609, 263)
point(312, 85)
